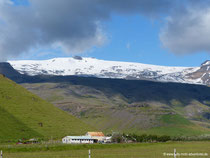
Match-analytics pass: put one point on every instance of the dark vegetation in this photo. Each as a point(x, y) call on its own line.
point(130, 138)
point(146, 138)
point(156, 138)
point(206, 115)
point(133, 90)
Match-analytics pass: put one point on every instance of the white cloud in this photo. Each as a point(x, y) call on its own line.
point(6, 2)
point(188, 31)
point(72, 25)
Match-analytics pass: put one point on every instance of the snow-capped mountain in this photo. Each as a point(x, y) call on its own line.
point(201, 75)
point(113, 69)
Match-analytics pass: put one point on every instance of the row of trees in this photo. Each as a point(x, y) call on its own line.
point(119, 138)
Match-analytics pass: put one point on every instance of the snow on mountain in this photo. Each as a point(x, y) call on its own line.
point(106, 69)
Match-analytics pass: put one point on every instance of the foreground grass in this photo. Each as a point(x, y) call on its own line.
point(144, 150)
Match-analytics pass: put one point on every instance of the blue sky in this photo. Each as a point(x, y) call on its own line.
point(130, 37)
point(142, 35)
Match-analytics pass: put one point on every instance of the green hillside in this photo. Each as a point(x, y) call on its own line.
point(24, 115)
point(131, 106)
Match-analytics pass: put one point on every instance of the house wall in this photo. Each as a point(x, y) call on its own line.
point(80, 141)
point(77, 141)
point(99, 138)
point(65, 140)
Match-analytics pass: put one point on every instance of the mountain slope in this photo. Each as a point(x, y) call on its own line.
point(24, 115)
point(8, 70)
point(202, 74)
point(130, 105)
point(106, 69)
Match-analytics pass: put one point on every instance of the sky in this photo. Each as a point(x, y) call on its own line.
point(164, 32)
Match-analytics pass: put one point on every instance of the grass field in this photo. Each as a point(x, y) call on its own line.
point(141, 150)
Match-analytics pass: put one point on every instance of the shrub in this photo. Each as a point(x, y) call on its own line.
point(117, 138)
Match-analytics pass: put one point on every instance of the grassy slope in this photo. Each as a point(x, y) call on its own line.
point(21, 112)
point(155, 108)
point(177, 125)
point(12, 128)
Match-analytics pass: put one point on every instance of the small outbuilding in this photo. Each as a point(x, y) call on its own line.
point(107, 140)
point(78, 140)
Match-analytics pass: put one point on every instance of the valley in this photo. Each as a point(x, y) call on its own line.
point(130, 105)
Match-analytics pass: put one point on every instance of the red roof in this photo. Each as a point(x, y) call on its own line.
point(98, 134)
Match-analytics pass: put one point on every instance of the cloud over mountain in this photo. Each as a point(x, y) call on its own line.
point(187, 31)
point(75, 25)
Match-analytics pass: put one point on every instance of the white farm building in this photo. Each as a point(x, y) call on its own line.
point(89, 138)
point(78, 140)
